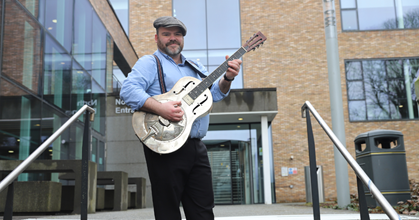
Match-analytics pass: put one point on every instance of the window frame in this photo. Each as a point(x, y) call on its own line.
point(357, 19)
point(403, 59)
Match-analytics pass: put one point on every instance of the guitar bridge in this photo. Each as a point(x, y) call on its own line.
point(188, 99)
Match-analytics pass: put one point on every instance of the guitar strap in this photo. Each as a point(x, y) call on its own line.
point(161, 76)
point(192, 65)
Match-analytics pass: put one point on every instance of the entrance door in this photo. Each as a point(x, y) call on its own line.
point(231, 172)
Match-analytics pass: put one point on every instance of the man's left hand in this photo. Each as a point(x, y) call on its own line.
point(233, 68)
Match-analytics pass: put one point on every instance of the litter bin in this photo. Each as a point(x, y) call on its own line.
point(382, 156)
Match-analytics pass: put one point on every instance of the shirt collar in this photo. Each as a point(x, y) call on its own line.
point(169, 58)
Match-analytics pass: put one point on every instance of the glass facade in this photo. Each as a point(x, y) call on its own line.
point(56, 57)
point(208, 25)
point(382, 89)
point(379, 14)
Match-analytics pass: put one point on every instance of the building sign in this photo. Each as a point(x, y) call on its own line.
point(284, 171)
point(121, 108)
point(292, 170)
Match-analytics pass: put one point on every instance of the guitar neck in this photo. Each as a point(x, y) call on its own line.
point(210, 79)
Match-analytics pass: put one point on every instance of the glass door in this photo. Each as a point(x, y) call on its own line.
point(220, 161)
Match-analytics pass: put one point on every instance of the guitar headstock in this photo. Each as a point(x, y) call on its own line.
point(255, 41)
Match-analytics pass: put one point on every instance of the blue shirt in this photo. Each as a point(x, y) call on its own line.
point(143, 82)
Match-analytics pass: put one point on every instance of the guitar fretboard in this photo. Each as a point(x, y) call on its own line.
point(210, 79)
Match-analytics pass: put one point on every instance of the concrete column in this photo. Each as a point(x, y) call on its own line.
point(335, 91)
point(266, 160)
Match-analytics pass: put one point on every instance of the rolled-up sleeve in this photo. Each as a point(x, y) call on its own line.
point(217, 95)
point(135, 88)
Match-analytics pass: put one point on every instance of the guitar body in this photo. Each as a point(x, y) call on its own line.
point(163, 136)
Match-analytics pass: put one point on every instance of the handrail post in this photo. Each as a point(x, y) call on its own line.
point(313, 168)
point(85, 168)
point(363, 209)
point(8, 209)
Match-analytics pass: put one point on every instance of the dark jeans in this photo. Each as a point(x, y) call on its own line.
point(182, 176)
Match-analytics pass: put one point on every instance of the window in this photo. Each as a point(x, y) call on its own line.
point(379, 14)
point(213, 31)
point(59, 21)
point(382, 89)
point(121, 10)
point(57, 75)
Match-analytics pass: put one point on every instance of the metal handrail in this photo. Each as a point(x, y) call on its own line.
point(388, 209)
point(22, 166)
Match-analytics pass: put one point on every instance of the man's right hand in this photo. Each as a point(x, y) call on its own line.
point(169, 110)
point(172, 111)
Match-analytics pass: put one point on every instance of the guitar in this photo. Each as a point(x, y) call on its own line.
point(164, 136)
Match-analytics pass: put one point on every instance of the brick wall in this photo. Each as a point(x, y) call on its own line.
point(142, 16)
point(294, 60)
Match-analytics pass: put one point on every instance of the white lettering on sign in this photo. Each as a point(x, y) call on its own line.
point(124, 109)
point(119, 102)
point(119, 110)
point(89, 103)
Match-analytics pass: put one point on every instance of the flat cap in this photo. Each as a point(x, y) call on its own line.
point(169, 21)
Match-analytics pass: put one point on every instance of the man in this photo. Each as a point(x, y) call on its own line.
point(183, 176)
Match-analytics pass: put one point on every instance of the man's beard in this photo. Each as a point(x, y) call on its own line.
point(165, 48)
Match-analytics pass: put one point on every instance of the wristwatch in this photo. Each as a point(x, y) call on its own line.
point(225, 77)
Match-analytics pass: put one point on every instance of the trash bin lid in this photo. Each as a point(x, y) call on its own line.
point(378, 132)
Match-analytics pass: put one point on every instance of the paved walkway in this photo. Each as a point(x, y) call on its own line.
point(283, 211)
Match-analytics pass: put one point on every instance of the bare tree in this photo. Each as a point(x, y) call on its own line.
point(410, 20)
point(384, 88)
